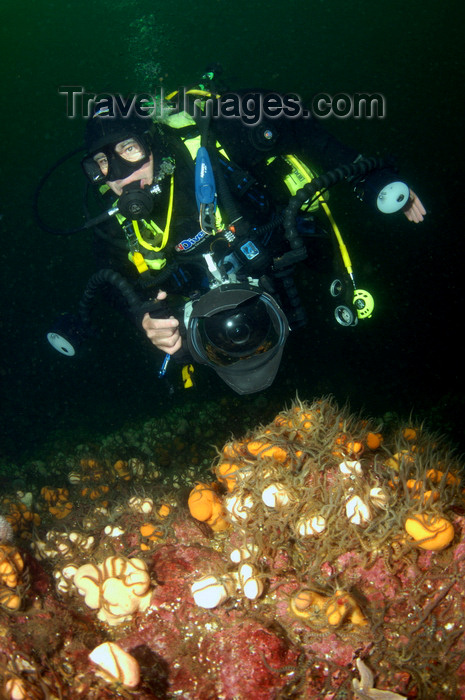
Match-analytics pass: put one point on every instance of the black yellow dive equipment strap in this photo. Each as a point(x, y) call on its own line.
point(362, 300)
point(146, 240)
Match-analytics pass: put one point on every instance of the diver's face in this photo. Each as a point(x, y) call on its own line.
point(144, 174)
point(130, 151)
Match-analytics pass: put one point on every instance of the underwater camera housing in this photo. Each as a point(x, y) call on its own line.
point(235, 328)
point(239, 331)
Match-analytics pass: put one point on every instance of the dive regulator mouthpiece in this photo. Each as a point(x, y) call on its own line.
point(362, 307)
point(393, 197)
point(135, 202)
point(364, 303)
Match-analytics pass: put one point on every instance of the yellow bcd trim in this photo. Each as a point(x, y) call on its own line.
point(308, 175)
point(187, 372)
point(138, 260)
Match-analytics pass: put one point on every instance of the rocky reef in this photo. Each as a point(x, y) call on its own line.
point(317, 556)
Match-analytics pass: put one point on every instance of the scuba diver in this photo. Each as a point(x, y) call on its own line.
point(205, 219)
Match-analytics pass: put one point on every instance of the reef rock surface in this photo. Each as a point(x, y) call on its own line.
point(345, 598)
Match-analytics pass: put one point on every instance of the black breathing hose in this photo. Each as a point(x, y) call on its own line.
point(136, 307)
point(308, 191)
point(97, 280)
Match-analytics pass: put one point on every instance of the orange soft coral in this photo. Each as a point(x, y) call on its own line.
point(205, 505)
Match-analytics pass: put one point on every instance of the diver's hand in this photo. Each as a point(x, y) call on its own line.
point(163, 332)
point(414, 209)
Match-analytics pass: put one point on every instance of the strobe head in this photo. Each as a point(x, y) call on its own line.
point(67, 334)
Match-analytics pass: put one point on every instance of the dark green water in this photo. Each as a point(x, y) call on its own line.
point(407, 357)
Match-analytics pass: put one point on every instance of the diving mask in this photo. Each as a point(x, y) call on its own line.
point(116, 161)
